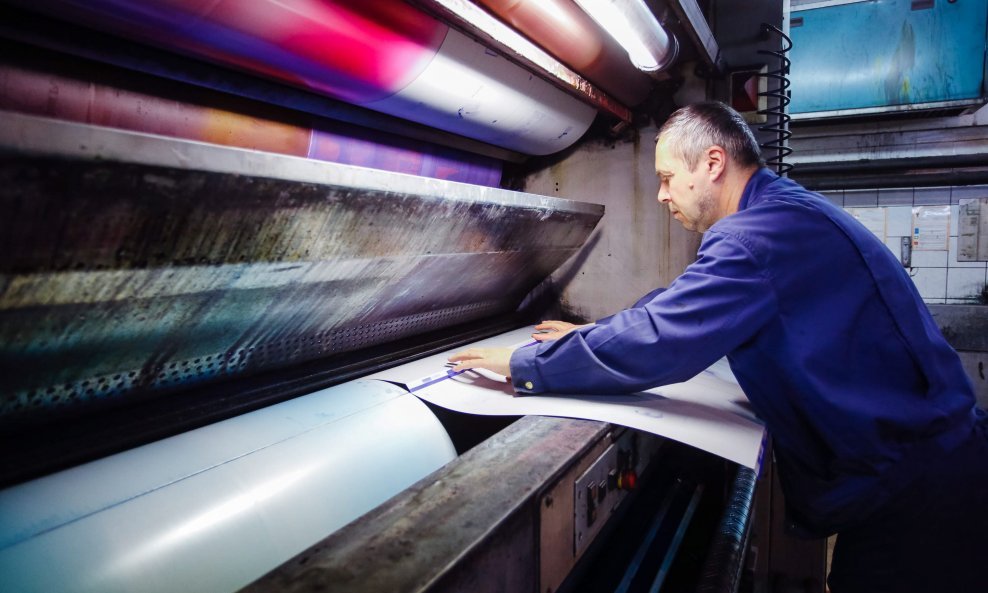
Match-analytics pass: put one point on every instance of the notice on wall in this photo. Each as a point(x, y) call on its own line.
point(931, 228)
point(874, 220)
point(972, 230)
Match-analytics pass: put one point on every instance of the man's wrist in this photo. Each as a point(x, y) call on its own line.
point(525, 377)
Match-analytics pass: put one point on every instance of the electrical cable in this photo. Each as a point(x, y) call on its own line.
point(778, 148)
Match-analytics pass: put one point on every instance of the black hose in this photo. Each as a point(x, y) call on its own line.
point(722, 569)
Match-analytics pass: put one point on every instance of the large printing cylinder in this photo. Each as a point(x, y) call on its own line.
point(56, 86)
point(217, 507)
point(383, 54)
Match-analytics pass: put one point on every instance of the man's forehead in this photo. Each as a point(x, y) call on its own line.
point(664, 158)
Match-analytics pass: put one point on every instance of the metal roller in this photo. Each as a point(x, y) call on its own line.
point(76, 90)
point(568, 33)
point(384, 55)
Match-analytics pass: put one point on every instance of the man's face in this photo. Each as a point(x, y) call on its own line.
point(688, 194)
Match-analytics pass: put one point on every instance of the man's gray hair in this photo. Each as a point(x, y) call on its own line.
point(691, 130)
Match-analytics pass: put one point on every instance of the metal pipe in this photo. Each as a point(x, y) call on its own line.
point(892, 180)
point(961, 169)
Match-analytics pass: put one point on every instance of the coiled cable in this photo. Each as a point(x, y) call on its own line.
point(777, 149)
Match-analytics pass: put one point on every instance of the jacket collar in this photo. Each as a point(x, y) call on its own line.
point(759, 179)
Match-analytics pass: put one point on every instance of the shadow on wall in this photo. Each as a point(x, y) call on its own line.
point(545, 300)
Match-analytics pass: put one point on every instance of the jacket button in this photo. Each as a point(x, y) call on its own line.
point(528, 385)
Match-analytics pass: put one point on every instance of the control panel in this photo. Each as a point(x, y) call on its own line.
point(580, 503)
point(599, 491)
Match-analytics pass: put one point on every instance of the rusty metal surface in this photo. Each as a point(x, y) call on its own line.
point(132, 264)
point(468, 527)
point(557, 521)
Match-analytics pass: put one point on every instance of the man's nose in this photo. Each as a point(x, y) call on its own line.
point(664, 196)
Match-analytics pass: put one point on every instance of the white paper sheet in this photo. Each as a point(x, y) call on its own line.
point(709, 411)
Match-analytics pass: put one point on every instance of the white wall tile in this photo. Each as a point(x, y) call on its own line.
point(931, 283)
point(952, 261)
point(899, 221)
point(963, 283)
point(895, 246)
point(930, 259)
point(938, 275)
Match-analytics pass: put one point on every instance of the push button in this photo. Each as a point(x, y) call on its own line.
point(628, 480)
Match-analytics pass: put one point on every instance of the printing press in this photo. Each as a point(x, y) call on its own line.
point(221, 218)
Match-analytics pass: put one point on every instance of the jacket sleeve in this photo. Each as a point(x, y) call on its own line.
point(720, 301)
point(639, 303)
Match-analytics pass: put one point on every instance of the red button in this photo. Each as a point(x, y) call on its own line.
point(628, 480)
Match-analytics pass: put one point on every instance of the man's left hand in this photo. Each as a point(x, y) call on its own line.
point(497, 360)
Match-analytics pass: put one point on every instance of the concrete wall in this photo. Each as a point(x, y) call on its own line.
point(637, 246)
point(976, 365)
point(966, 328)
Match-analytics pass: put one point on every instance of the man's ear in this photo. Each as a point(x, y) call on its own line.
point(716, 162)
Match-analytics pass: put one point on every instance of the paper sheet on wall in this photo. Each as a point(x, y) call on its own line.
point(874, 219)
point(931, 228)
point(709, 411)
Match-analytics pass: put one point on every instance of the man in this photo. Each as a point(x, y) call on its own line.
point(873, 419)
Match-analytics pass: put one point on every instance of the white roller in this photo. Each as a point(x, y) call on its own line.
point(217, 507)
point(470, 90)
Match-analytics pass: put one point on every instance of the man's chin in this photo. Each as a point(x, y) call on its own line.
point(687, 224)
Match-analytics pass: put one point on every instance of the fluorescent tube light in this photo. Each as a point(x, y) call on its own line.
point(634, 27)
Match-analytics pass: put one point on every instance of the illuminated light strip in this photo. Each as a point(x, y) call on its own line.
point(477, 23)
point(633, 25)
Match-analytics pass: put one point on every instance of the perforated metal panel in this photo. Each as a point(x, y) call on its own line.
point(133, 265)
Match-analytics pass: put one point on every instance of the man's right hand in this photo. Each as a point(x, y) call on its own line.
point(553, 330)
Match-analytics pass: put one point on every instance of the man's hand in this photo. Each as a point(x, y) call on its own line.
point(553, 330)
point(497, 360)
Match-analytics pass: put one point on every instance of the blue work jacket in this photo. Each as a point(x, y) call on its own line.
point(826, 334)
